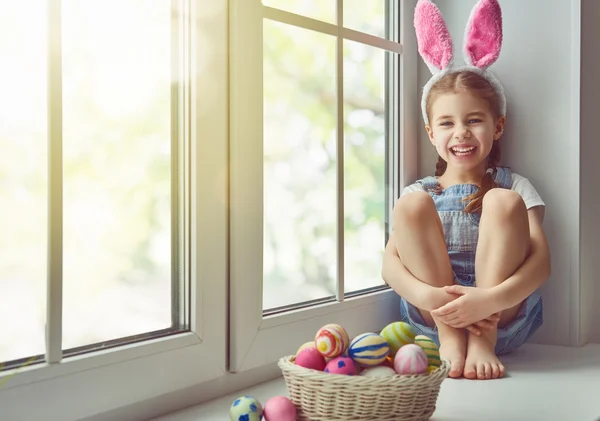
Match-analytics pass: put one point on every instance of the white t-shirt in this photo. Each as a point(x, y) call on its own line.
point(519, 184)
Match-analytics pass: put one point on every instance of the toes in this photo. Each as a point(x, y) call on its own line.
point(456, 369)
point(488, 371)
point(481, 371)
point(502, 370)
point(495, 371)
point(470, 371)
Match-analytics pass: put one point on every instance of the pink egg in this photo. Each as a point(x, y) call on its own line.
point(280, 408)
point(410, 359)
point(311, 358)
point(342, 365)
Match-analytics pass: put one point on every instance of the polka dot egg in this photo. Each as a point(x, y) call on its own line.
point(342, 365)
point(410, 359)
point(369, 349)
point(246, 408)
point(331, 340)
point(398, 334)
point(431, 350)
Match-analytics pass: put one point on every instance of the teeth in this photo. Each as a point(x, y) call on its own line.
point(463, 149)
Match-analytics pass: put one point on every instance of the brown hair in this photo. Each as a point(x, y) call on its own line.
point(467, 81)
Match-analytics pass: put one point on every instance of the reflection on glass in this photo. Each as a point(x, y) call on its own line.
point(300, 257)
point(117, 163)
point(23, 178)
point(364, 165)
point(365, 16)
point(317, 9)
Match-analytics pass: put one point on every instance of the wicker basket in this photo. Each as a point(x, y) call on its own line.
point(320, 396)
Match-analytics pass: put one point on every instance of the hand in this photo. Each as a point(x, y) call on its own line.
point(440, 297)
point(473, 306)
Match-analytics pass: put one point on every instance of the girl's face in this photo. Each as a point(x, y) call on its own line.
point(463, 130)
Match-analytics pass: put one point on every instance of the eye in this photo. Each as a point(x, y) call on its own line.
point(446, 123)
point(474, 120)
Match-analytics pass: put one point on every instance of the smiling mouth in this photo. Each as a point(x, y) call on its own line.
point(463, 151)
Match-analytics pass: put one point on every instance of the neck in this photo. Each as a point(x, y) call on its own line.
point(454, 176)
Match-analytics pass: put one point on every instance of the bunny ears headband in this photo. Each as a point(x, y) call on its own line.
point(482, 44)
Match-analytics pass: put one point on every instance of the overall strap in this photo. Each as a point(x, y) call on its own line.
point(429, 183)
point(503, 177)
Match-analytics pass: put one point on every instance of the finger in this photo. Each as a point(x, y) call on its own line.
point(484, 324)
point(444, 310)
point(455, 289)
point(474, 330)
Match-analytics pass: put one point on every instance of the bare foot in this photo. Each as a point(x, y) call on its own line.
point(453, 343)
point(482, 362)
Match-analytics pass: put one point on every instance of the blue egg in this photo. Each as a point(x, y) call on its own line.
point(246, 408)
point(369, 349)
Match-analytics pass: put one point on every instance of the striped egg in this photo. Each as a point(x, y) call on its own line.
point(369, 349)
point(331, 340)
point(398, 334)
point(410, 359)
point(431, 350)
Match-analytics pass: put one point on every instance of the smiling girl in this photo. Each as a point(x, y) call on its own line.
point(468, 253)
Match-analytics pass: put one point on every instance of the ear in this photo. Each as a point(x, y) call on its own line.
point(433, 39)
point(430, 134)
point(483, 36)
point(499, 127)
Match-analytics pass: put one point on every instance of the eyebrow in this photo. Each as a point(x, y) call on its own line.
point(473, 114)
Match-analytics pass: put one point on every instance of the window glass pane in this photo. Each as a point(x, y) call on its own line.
point(117, 163)
point(317, 9)
point(364, 165)
point(366, 16)
point(300, 246)
point(23, 178)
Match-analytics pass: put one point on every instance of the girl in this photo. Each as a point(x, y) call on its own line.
point(468, 252)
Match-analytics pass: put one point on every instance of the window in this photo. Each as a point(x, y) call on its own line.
point(316, 142)
point(173, 162)
point(113, 247)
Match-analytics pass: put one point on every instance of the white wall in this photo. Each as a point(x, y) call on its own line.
point(541, 140)
point(590, 172)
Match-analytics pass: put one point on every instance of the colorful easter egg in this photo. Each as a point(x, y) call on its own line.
point(311, 358)
point(410, 359)
point(369, 349)
point(280, 408)
point(310, 344)
point(342, 365)
point(246, 408)
point(331, 340)
point(378, 371)
point(398, 334)
point(431, 350)
point(431, 368)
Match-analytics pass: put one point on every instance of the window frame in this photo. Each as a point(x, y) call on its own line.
point(129, 374)
point(257, 340)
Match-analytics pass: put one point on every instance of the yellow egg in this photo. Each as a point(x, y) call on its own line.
point(398, 334)
point(369, 349)
point(431, 368)
point(431, 350)
point(305, 345)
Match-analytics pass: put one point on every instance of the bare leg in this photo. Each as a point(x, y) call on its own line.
point(419, 238)
point(502, 248)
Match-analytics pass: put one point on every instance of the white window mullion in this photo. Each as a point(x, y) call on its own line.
point(340, 149)
point(55, 187)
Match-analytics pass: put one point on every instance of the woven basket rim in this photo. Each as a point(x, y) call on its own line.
point(286, 364)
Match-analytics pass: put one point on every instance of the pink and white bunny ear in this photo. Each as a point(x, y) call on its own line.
point(433, 39)
point(483, 36)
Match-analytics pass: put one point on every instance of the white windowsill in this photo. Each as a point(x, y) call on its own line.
point(545, 383)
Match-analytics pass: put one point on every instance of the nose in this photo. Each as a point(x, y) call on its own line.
point(461, 132)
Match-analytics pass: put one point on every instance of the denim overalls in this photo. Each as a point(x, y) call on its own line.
point(461, 231)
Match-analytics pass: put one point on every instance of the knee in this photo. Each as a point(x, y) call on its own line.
point(412, 207)
point(503, 203)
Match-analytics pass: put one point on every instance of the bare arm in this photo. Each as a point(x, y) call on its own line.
point(413, 290)
point(533, 272)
